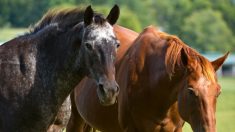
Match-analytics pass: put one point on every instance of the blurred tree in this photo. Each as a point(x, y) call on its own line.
point(144, 10)
point(207, 31)
point(171, 14)
point(227, 8)
point(3, 11)
point(129, 19)
point(100, 2)
point(201, 4)
point(21, 13)
point(53, 3)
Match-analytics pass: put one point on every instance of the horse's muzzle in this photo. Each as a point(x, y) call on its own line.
point(108, 92)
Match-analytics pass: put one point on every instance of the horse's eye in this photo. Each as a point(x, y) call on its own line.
point(88, 46)
point(192, 91)
point(118, 45)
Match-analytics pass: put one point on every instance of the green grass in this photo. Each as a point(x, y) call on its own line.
point(225, 115)
point(9, 33)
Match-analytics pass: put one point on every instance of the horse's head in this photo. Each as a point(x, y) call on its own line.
point(99, 45)
point(199, 92)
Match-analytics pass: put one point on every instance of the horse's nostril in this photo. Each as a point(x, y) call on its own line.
point(101, 88)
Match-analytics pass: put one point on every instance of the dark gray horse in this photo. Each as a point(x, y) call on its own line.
point(38, 70)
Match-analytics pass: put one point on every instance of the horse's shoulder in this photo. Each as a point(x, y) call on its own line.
point(151, 34)
point(151, 39)
point(122, 30)
point(149, 31)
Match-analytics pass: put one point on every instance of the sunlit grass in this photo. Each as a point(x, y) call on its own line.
point(10, 33)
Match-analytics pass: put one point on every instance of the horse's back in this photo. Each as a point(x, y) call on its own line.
point(145, 53)
point(17, 63)
point(17, 69)
point(8, 48)
point(142, 80)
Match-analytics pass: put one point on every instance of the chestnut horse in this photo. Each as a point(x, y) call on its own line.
point(163, 82)
point(38, 70)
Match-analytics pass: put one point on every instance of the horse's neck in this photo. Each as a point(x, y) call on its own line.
point(57, 67)
point(174, 84)
point(56, 73)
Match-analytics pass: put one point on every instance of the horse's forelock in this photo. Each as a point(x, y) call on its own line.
point(99, 19)
point(173, 57)
point(207, 70)
point(173, 51)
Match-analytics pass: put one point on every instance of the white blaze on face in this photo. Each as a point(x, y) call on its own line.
point(204, 83)
point(102, 32)
point(102, 36)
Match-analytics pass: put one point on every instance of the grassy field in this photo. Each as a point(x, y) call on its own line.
point(225, 107)
point(9, 33)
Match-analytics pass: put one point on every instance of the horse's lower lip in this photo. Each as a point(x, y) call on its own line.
point(108, 101)
point(107, 104)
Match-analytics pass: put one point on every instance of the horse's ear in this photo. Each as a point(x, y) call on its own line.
point(88, 15)
point(218, 62)
point(184, 57)
point(113, 15)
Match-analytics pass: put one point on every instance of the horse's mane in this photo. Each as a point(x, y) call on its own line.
point(173, 57)
point(65, 17)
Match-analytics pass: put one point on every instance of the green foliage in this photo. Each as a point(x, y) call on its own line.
point(227, 8)
point(3, 10)
point(129, 19)
point(144, 10)
point(21, 13)
point(200, 23)
point(171, 14)
point(207, 31)
point(53, 3)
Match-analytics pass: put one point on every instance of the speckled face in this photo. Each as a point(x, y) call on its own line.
point(100, 44)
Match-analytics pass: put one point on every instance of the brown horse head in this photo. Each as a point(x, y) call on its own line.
point(199, 91)
point(98, 47)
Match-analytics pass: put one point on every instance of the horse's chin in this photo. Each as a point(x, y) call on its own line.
point(108, 103)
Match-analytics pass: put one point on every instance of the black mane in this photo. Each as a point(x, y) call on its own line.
point(65, 18)
point(99, 19)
